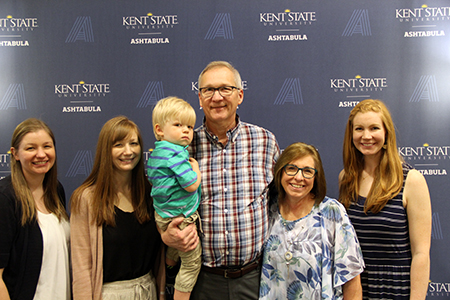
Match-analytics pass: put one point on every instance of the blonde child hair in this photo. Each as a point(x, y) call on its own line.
point(171, 108)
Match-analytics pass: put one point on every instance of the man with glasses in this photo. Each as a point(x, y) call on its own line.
point(236, 160)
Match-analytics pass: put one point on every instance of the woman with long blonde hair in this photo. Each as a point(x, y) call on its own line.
point(389, 205)
point(33, 218)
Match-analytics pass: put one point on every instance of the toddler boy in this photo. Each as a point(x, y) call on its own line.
point(176, 183)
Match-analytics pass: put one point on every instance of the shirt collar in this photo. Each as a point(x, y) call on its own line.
point(232, 133)
point(162, 143)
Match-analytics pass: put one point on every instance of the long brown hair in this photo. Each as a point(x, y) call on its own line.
point(104, 193)
point(388, 179)
point(22, 191)
point(296, 151)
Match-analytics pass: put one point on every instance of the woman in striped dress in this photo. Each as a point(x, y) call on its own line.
point(388, 204)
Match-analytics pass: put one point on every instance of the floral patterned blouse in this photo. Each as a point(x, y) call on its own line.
point(312, 257)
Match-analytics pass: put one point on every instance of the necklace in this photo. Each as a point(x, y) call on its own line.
point(291, 240)
point(291, 236)
point(292, 229)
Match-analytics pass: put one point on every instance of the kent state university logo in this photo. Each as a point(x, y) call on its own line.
point(149, 27)
point(438, 289)
point(358, 24)
point(290, 92)
point(14, 28)
point(221, 27)
point(287, 24)
point(421, 19)
point(426, 90)
point(81, 31)
point(5, 167)
point(81, 164)
point(152, 93)
point(426, 158)
point(423, 14)
point(14, 97)
point(82, 95)
point(357, 88)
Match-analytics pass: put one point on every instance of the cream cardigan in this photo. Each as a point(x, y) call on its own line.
point(86, 239)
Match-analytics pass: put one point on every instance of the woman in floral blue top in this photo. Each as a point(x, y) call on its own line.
point(312, 251)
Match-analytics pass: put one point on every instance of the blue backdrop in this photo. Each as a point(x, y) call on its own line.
point(304, 65)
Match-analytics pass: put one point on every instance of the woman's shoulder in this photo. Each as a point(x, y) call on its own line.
point(7, 197)
point(328, 201)
point(332, 209)
point(415, 180)
point(6, 185)
point(87, 193)
point(83, 196)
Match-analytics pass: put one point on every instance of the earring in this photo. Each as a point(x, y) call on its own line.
point(384, 146)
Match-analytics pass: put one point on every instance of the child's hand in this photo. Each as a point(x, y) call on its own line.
point(196, 169)
point(194, 164)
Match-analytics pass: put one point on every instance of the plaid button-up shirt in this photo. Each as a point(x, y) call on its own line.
point(234, 207)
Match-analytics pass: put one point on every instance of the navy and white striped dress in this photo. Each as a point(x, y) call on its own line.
point(384, 240)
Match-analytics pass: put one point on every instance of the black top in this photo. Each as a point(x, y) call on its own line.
point(386, 248)
point(21, 247)
point(129, 249)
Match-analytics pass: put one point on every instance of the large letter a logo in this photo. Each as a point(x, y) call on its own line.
point(220, 27)
point(426, 89)
point(81, 31)
point(290, 92)
point(153, 92)
point(14, 97)
point(358, 23)
point(81, 164)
